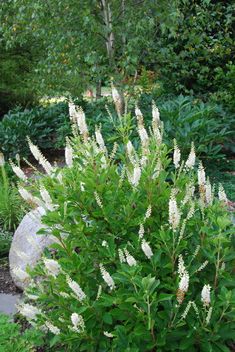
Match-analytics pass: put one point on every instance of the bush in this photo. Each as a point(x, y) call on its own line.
point(189, 60)
point(12, 209)
point(5, 243)
point(44, 125)
point(13, 340)
point(144, 255)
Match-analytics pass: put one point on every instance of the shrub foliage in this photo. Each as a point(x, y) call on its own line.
point(144, 249)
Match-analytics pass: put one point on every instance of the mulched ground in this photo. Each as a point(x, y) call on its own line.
point(6, 283)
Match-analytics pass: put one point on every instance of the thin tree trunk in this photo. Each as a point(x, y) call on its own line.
point(98, 90)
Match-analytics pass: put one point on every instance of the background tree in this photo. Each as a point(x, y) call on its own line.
point(87, 41)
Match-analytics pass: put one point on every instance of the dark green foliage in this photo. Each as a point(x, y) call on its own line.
point(201, 47)
point(12, 208)
point(44, 125)
point(16, 65)
point(5, 243)
point(13, 340)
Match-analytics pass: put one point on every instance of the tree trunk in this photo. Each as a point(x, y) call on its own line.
point(98, 90)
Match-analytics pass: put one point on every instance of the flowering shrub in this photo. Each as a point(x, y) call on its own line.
point(144, 249)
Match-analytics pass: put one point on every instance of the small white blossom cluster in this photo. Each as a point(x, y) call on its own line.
point(28, 197)
point(141, 231)
point(190, 162)
point(174, 213)
point(77, 115)
point(184, 280)
point(100, 140)
point(78, 322)
point(54, 329)
point(47, 199)
point(222, 195)
point(121, 256)
point(146, 249)
point(144, 138)
point(76, 289)
point(52, 267)
point(208, 192)
point(148, 213)
point(189, 193)
point(21, 274)
point(28, 311)
point(107, 277)
point(205, 295)
point(68, 154)
point(134, 179)
point(40, 157)
point(156, 123)
point(201, 176)
point(98, 200)
point(129, 258)
point(17, 170)
point(176, 155)
point(202, 266)
point(2, 160)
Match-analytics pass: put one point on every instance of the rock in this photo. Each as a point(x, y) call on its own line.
point(8, 303)
point(27, 247)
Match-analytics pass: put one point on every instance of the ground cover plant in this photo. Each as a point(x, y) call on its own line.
point(144, 251)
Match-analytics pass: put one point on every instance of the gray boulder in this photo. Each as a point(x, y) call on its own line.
point(27, 247)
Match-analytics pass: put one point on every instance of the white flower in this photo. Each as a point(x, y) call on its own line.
point(146, 249)
point(28, 197)
point(72, 112)
point(203, 265)
point(98, 200)
point(221, 194)
point(2, 160)
point(34, 149)
point(28, 311)
point(76, 289)
point(68, 154)
point(138, 113)
point(141, 231)
point(148, 213)
point(99, 139)
point(136, 176)
point(17, 170)
point(205, 295)
point(99, 292)
point(129, 258)
point(143, 135)
point(201, 175)
point(174, 213)
point(64, 294)
point(184, 282)
point(208, 317)
point(40, 157)
point(54, 329)
point(176, 155)
point(107, 278)
point(209, 196)
point(21, 274)
point(78, 322)
point(104, 244)
point(47, 199)
point(108, 334)
point(115, 94)
point(181, 266)
point(121, 256)
point(190, 162)
point(81, 121)
point(130, 148)
point(52, 266)
point(185, 313)
point(156, 117)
